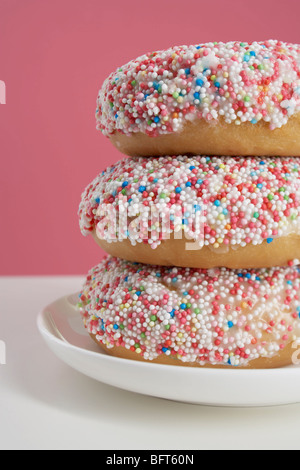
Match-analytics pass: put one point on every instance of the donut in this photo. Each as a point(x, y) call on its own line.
point(193, 317)
point(197, 211)
point(234, 98)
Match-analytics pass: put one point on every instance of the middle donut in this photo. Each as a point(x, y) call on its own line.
point(197, 211)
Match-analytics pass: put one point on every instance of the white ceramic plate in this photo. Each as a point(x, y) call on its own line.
point(61, 326)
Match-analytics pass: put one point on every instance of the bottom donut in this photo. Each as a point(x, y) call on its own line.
point(194, 317)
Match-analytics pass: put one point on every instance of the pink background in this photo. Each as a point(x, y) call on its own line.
point(54, 56)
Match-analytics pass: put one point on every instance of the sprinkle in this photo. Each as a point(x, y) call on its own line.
point(241, 200)
point(161, 323)
point(159, 92)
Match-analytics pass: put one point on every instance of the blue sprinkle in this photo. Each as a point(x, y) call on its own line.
point(192, 168)
point(183, 306)
point(253, 53)
point(178, 190)
point(196, 95)
point(217, 203)
point(142, 189)
point(187, 71)
point(125, 184)
point(253, 121)
point(248, 276)
point(158, 275)
point(172, 314)
point(260, 186)
point(175, 279)
point(217, 84)
point(97, 200)
point(164, 350)
point(116, 327)
point(156, 119)
point(230, 324)
point(138, 293)
point(155, 180)
point(199, 82)
point(269, 240)
point(200, 182)
point(188, 184)
point(197, 208)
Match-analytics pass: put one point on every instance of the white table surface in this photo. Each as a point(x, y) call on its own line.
point(44, 404)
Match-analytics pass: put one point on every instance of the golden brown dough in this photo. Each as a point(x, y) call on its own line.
point(173, 253)
point(218, 138)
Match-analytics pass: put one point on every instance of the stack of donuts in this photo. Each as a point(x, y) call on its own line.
point(201, 219)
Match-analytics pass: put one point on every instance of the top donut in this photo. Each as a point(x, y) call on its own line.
point(234, 98)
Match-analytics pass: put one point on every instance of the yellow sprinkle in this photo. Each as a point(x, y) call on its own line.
point(244, 305)
point(138, 350)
